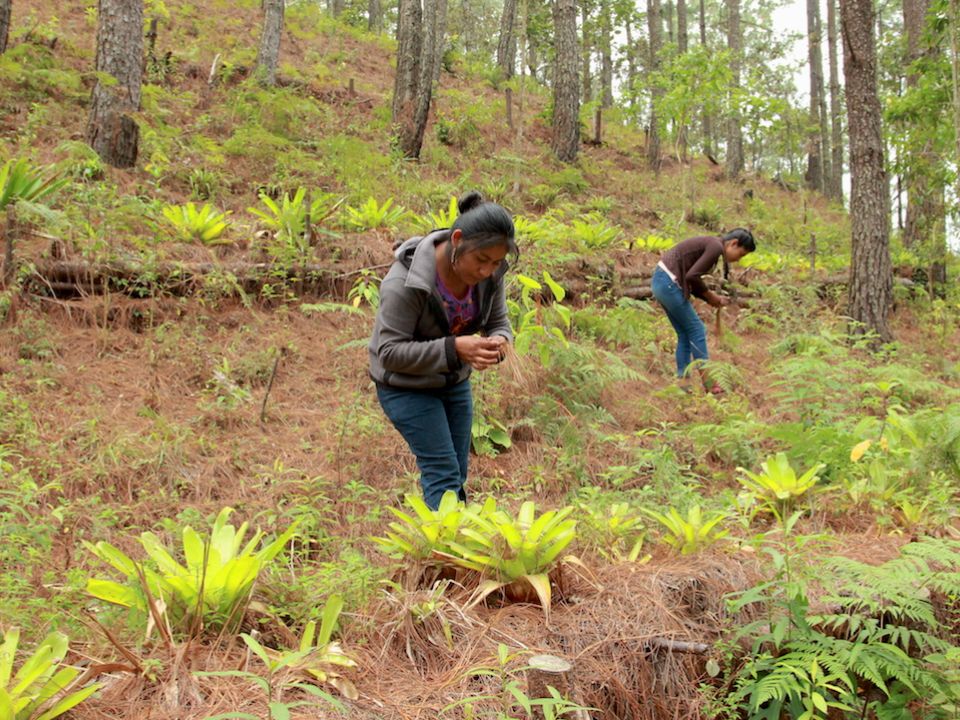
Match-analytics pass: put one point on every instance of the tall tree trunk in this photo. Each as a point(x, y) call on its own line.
point(682, 34)
point(606, 54)
point(816, 137)
point(507, 43)
point(566, 99)
point(706, 118)
point(952, 27)
point(6, 12)
point(585, 49)
point(111, 130)
point(269, 53)
point(374, 16)
point(336, 7)
point(734, 130)
point(431, 50)
point(835, 179)
point(666, 10)
point(926, 218)
point(871, 278)
point(441, 7)
point(631, 67)
point(655, 32)
point(409, 43)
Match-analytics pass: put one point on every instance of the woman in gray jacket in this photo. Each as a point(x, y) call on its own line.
point(442, 314)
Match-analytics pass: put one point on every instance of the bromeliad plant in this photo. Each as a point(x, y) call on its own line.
point(192, 223)
point(21, 182)
point(778, 485)
point(289, 218)
point(421, 537)
point(208, 592)
point(692, 533)
point(43, 687)
point(371, 215)
point(514, 553)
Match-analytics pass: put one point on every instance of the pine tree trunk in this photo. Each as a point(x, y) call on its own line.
point(835, 179)
point(682, 34)
point(432, 23)
point(666, 10)
point(817, 141)
point(871, 278)
point(507, 43)
point(606, 54)
point(631, 68)
point(374, 16)
point(566, 98)
point(734, 130)
point(6, 12)
point(336, 7)
point(111, 130)
point(585, 49)
point(952, 26)
point(655, 33)
point(706, 118)
point(409, 39)
point(268, 56)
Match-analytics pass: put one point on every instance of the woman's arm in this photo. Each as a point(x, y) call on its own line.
point(499, 323)
point(703, 265)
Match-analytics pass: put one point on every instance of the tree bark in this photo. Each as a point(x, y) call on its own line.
point(268, 56)
point(111, 130)
point(431, 52)
point(585, 48)
point(954, 20)
point(507, 43)
point(409, 39)
point(655, 32)
point(835, 179)
point(6, 12)
point(926, 212)
point(566, 99)
point(706, 118)
point(817, 134)
point(734, 130)
point(871, 278)
point(375, 16)
point(682, 33)
point(606, 54)
point(631, 66)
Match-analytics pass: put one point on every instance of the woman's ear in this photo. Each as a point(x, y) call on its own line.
point(455, 236)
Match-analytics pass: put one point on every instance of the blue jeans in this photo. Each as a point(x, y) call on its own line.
point(436, 425)
point(691, 333)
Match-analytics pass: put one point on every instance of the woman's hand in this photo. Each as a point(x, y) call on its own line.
point(480, 352)
point(716, 300)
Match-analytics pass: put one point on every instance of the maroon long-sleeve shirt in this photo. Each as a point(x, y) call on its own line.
point(690, 259)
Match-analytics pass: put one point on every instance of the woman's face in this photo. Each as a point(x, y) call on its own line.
point(474, 266)
point(733, 252)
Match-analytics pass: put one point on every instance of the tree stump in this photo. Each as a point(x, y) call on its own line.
point(546, 671)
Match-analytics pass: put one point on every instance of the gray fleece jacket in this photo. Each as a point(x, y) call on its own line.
point(412, 347)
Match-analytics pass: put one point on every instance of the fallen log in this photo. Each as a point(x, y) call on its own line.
point(72, 278)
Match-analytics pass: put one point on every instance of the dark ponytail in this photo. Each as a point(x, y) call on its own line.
point(484, 224)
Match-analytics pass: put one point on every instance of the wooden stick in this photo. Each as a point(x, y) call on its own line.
point(273, 374)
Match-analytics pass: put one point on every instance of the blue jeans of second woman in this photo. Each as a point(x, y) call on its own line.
point(436, 425)
point(691, 333)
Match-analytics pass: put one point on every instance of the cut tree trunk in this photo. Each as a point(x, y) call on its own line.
point(111, 129)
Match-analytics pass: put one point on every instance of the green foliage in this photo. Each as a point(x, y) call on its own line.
point(689, 534)
point(204, 224)
point(26, 184)
point(421, 536)
point(615, 530)
point(877, 653)
point(208, 593)
point(538, 325)
point(593, 233)
point(511, 699)
point(43, 687)
point(488, 435)
point(778, 485)
point(372, 215)
point(366, 289)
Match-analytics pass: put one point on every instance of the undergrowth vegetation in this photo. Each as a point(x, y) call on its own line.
point(219, 384)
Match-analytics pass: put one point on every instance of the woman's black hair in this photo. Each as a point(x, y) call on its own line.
point(743, 237)
point(484, 224)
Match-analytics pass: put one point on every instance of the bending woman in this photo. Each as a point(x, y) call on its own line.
point(679, 274)
point(442, 314)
